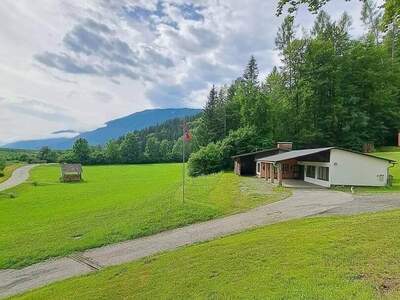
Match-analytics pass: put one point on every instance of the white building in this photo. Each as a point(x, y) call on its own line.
point(325, 167)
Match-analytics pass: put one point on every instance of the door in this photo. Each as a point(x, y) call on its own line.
point(299, 172)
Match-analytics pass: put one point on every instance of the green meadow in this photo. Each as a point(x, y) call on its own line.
point(354, 257)
point(47, 218)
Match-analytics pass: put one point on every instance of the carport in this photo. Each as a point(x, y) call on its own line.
point(295, 165)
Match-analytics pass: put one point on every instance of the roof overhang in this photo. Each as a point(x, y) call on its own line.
point(254, 153)
point(292, 155)
point(305, 152)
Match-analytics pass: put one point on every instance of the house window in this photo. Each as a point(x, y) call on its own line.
point(310, 171)
point(258, 167)
point(323, 173)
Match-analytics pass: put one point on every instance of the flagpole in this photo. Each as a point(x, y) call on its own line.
point(183, 161)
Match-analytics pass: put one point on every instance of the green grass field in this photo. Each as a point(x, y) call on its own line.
point(115, 203)
point(355, 257)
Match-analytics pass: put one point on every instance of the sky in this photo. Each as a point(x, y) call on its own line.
point(73, 65)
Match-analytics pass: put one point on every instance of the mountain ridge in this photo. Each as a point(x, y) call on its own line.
point(113, 129)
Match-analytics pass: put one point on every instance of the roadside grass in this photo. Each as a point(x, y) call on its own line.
point(353, 257)
point(8, 170)
point(114, 203)
point(388, 149)
point(394, 171)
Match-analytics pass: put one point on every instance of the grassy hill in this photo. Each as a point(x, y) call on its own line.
point(355, 257)
point(115, 203)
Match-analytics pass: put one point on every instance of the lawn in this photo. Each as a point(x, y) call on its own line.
point(355, 257)
point(115, 203)
point(8, 170)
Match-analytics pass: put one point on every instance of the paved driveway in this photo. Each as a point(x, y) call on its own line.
point(19, 176)
point(303, 203)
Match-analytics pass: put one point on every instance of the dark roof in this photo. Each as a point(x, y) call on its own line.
point(71, 168)
point(292, 154)
point(305, 152)
point(254, 153)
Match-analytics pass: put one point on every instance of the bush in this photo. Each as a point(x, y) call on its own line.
point(207, 160)
point(216, 157)
point(2, 166)
point(97, 157)
point(67, 157)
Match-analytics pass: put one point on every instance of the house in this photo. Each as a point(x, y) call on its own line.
point(71, 172)
point(325, 167)
point(245, 164)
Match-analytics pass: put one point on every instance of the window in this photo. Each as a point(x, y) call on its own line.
point(323, 173)
point(310, 171)
point(285, 168)
point(258, 167)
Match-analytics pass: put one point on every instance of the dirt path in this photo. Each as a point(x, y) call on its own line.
point(303, 203)
point(19, 176)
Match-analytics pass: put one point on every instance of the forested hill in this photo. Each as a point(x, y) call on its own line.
point(113, 129)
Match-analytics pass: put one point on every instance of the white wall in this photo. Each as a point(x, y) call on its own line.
point(348, 168)
point(315, 180)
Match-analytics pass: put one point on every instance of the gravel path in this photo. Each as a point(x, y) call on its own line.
point(367, 203)
point(303, 203)
point(19, 176)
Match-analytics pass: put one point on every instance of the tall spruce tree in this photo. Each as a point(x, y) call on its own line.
point(213, 119)
point(250, 75)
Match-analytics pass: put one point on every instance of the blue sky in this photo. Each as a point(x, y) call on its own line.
point(73, 65)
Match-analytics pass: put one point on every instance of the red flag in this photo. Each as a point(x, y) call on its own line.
point(187, 136)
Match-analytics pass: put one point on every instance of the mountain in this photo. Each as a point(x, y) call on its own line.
point(112, 129)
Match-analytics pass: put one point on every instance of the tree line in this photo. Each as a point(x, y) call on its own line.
point(159, 143)
point(330, 90)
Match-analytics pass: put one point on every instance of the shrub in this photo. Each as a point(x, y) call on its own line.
point(2, 166)
point(97, 157)
point(207, 160)
point(67, 157)
point(216, 157)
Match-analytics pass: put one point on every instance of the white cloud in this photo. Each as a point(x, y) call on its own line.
point(77, 64)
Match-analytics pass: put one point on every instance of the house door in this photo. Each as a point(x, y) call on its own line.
point(298, 172)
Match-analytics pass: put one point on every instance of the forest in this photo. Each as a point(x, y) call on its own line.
point(331, 89)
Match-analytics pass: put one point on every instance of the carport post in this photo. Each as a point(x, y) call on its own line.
point(271, 172)
point(279, 166)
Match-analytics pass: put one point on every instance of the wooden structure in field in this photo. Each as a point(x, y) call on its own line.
point(71, 172)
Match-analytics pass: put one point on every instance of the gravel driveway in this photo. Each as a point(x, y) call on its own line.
point(19, 176)
point(366, 203)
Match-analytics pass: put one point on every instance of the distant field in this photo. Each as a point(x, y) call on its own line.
point(115, 203)
point(355, 257)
